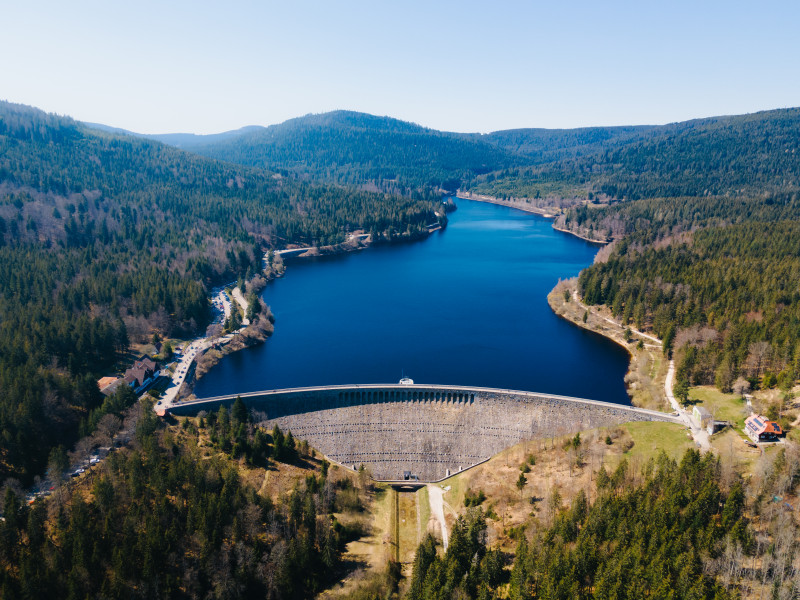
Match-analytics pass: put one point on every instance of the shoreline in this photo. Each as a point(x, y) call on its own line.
point(582, 237)
point(256, 333)
point(547, 213)
point(646, 374)
point(551, 212)
point(356, 241)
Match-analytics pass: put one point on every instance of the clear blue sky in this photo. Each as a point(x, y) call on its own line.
point(203, 67)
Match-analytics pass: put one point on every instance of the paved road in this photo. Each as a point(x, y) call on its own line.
point(181, 371)
point(191, 352)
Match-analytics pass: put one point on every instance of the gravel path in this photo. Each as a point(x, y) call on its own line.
point(699, 434)
point(237, 293)
point(436, 499)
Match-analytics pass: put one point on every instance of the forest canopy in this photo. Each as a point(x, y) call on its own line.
point(100, 232)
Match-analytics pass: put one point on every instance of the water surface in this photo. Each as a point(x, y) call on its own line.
point(467, 306)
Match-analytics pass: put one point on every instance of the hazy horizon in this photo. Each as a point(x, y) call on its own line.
point(193, 67)
point(256, 125)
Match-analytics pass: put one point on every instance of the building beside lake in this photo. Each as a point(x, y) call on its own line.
point(142, 374)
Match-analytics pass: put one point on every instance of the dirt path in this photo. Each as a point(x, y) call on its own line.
point(699, 434)
point(615, 323)
point(436, 499)
point(237, 294)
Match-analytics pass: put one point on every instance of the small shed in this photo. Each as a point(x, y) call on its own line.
point(701, 415)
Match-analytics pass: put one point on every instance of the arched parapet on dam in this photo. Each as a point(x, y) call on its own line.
point(428, 430)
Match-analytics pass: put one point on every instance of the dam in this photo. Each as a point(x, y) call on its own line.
point(429, 431)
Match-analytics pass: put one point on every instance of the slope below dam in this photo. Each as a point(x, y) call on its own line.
point(430, 431)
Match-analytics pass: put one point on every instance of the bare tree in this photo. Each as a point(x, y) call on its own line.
point(83, 448)
point(213, 331)
point(741, 386)
point(107, 427)
point(137, 328)
point(757, 358)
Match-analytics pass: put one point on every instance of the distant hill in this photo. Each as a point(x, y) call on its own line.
point(742, 154)
point(185, 141)
point(188, 141)
point(357, 148)
point(719, 155)
point(545, 145)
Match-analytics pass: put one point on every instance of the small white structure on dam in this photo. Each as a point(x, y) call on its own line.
point(428, 430)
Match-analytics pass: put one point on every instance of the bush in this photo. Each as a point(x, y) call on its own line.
point(474, 498)
point(769, 381)
point(348, 500)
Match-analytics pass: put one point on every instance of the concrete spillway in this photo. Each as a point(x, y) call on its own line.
point(429, 430)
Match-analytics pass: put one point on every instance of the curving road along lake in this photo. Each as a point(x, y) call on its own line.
point(466, 306)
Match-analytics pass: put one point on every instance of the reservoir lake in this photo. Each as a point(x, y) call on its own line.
point(466, 306)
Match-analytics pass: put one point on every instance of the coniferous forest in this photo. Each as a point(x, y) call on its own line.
point(643, 541)
point(101, 233)
point(108, 238)
point(163, 520)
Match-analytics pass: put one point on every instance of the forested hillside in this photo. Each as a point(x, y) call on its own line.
point(173, 517)
point(728, 298)
point(656, 538)
point(356, 148)
point(717, 278)
point(707, 257)
point(654, 218)
point(744, 154)
point(106, 238)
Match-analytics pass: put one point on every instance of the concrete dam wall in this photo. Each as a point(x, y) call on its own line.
point(431, 431)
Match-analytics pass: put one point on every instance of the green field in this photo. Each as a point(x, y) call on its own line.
point(724, 407)
point(455, 495)
point(650, 438)
point(424, 504)
point(407, 534)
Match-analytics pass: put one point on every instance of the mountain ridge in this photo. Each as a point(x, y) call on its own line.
point(355, 148)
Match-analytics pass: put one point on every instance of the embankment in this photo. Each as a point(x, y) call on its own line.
point(429, 431)
point(538, 207)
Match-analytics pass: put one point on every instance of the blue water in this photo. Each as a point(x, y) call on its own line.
point(467, 306)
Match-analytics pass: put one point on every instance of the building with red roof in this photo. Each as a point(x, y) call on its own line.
point(761, 429)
